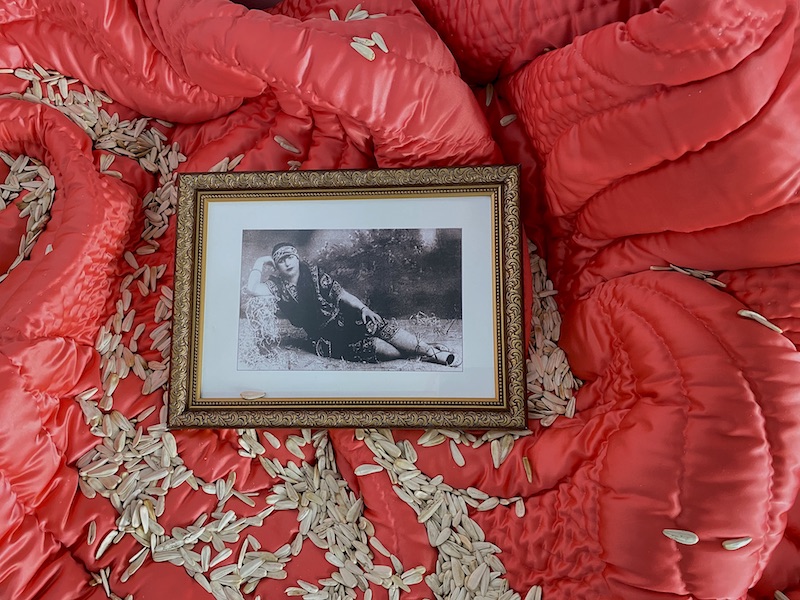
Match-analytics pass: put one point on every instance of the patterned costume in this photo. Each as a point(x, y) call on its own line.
point(335, 328)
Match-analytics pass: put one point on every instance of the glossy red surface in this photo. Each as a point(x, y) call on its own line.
point(648, 133)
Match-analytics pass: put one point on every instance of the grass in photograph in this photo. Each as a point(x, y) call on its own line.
point(295, 352)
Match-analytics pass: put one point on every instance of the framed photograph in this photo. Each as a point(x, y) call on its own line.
point(379, 298)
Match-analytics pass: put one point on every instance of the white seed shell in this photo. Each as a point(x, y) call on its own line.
point(682, 536)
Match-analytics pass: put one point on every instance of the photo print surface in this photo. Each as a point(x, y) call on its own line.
point(351, 300)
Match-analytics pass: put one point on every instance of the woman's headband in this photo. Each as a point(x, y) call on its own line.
point(284, 251)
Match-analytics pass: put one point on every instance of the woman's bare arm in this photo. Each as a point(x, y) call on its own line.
point(254, 284)
point(368, 315)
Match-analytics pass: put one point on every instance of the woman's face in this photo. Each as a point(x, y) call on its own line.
point(288, 266)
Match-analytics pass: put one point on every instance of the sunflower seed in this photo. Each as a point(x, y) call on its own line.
point(535, 593)
point(473, 582)
point(526, 464)
point(203, 581)
point(363, 50)
point(273, 441)
point(379, 41)
point(497, 454)
point(429, 511)
point(252, 395)
point(105, 543)
point(284, 143)
point(104, 579)
point(736, 543)
point(570, 410)
point(131, 259)
point(508, 119)
point(432, 437)
point(137, 562)
point(294, 448)
point(488, 504)
point(548, 420)
point(367, 469)
point(749, 314)
point(458, 458)
point(402, 464)
point(221, 556)
point(682, 536)
point(779, 595)
point(376, 543)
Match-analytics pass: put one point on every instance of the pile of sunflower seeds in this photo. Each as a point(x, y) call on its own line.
point(32, 177)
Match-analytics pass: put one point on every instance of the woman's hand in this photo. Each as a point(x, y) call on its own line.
point(370, 317)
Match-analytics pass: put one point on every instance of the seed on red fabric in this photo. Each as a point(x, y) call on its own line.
point(535, 593)
point(682, 536)
point(379, 41)
point(749, 314)
point(458, 458)
point(363, 50)
point(736, 543)
point(284, 143)
point(364, 41)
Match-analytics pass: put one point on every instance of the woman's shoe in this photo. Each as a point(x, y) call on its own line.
point(441, 355)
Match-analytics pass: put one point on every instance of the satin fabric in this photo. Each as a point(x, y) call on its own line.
point(648, 133)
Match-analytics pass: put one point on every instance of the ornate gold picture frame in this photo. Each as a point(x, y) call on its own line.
point(374, 298)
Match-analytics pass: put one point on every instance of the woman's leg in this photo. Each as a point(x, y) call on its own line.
point(409, 344)
point(385, 351)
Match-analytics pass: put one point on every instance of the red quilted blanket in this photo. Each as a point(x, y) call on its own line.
point(659, 150)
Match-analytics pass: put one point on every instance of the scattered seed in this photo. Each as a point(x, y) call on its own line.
point(364, 41)
point(749, 314)
point(367, 469)
point(508, 119)
point(363, 50)
point(526, 464)
point(284, 143)
point(458, 458)
point(535, 593)
point(687, 538)
point(273, 441)
point(131, 259)
point(736, 543)
point(379, 41)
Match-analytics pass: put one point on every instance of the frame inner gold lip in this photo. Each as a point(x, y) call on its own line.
point(201, 195)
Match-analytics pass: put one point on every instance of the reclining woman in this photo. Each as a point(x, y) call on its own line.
point(339, 324)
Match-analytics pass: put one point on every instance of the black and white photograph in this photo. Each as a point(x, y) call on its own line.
point(351, 300)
